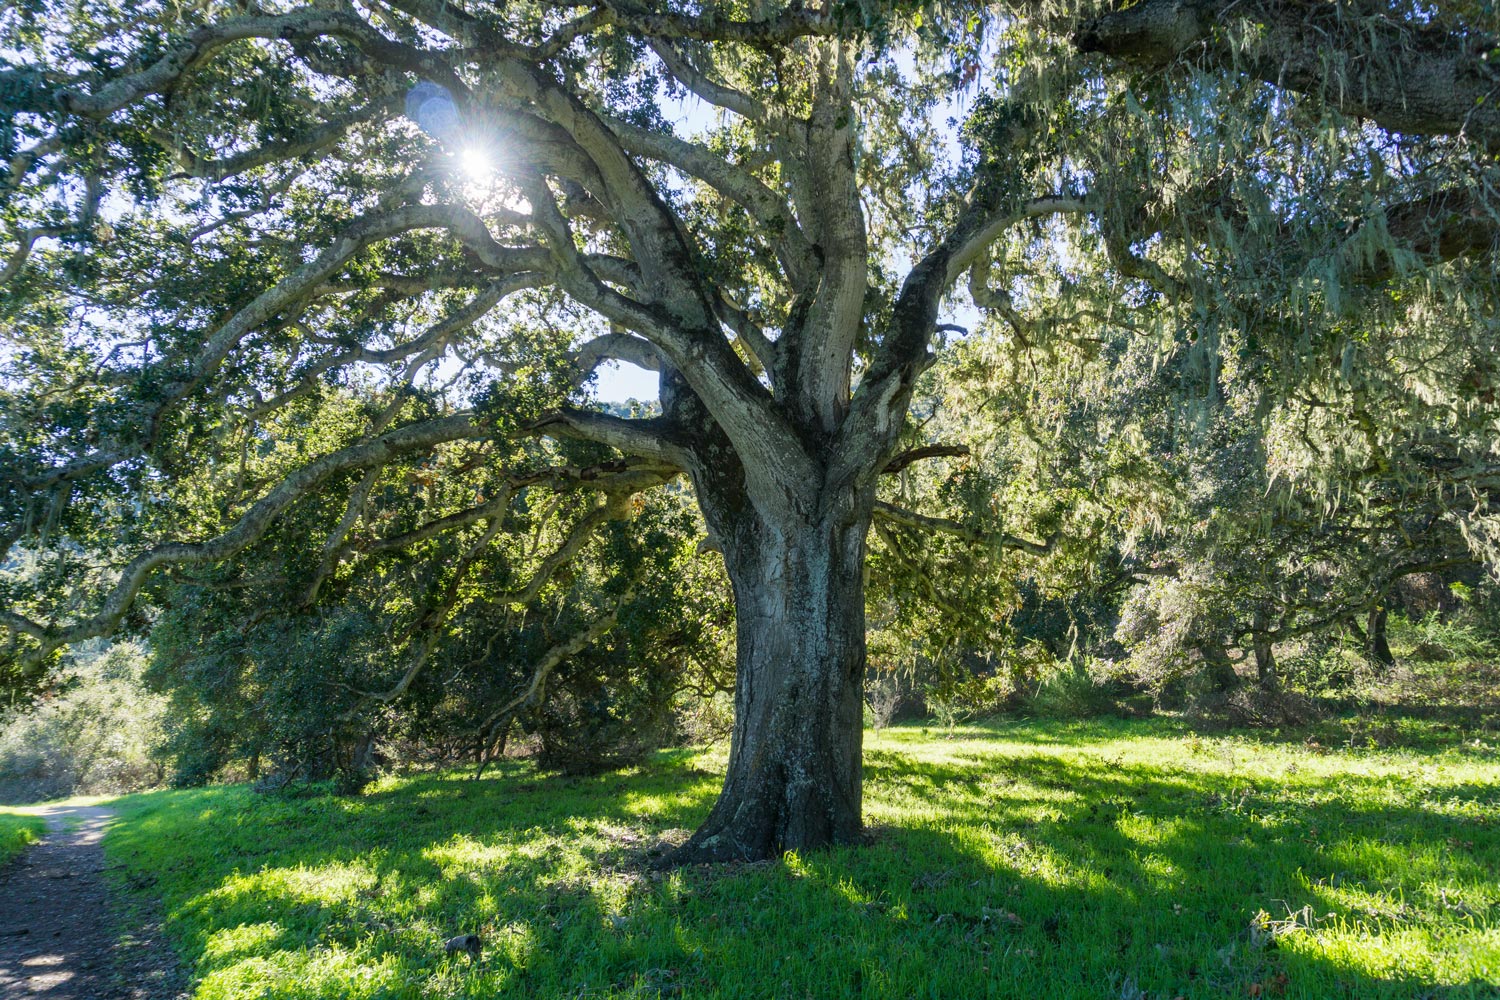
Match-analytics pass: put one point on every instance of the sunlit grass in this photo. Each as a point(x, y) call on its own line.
point(18, 829)
point(1019, 860)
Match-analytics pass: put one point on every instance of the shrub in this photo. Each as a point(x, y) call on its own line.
point(702, 717)
point(605, 710)
point(1077, 690)
point(1432, 638)
point(1258, 707)
point(883, 697)
point(16, 832)
point(583, 735)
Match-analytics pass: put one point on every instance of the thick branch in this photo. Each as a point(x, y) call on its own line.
point(312, 141)
point(768, 208)
point(709, 90)
point(649, 438)
point(613, 477)
point(619, 347)
point(969, 241)
point(549, 661)
point(879, 406)
point(1442, 226)
point(183, 56)
point(294, 288)
point(795, 22)
point(906, 458)
point(779, 469)
point(1406, 77)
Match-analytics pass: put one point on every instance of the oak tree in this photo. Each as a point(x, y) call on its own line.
point(224, 214)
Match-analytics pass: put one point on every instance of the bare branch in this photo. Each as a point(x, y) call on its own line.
point(649, 438)
point(297, 25)
point(620, 347)
point(632, 475)
point(968, 241)
point(903, 355)
point(709, 90)
point(27, 238)
point(548, 662)
point(906, 458)
point(312, 141)
point(795, 22)
point(735, 183)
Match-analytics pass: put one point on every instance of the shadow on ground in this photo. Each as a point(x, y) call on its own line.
point(1004, 864)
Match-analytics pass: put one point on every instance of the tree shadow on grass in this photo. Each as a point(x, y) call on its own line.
point(1168, 872)
point(259, 887)
point(1348, 725)
point(1019, 875)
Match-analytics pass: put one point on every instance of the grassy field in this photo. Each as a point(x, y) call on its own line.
point(1027, 860)
point(16, 831)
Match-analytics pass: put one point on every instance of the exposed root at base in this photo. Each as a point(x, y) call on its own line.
point(719, 849)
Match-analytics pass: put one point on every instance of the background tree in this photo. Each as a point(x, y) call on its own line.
point(95, 732)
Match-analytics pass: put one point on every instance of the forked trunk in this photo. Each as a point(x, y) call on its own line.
point(794, 759)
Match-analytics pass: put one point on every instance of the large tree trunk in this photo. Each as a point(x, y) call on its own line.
point(794, 759)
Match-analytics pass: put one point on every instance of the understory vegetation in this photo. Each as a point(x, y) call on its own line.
point(1133, 859)
point(17, 831)
point(107, 731)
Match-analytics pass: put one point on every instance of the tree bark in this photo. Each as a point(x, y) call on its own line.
point(1222, 677)
point(1378, 645)
point(1265, 657)
point(1406, 75)
point(794, 779)
point(1265, 663)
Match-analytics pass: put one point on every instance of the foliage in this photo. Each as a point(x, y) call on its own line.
point(1193, 540)
point(700, 720)
point(1078, 690)
point(1049, 860)
point(289, 695)
point(97, 733)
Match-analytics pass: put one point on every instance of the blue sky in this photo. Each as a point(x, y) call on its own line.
point(617, 381)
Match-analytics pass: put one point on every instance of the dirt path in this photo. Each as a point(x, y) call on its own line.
point(59, 927)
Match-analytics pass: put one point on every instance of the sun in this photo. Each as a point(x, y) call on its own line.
point(476, 162)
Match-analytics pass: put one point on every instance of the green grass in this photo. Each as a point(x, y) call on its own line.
point(1026, 860)
point(17, 830)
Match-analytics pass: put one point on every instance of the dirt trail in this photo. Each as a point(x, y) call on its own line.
point(59, 929)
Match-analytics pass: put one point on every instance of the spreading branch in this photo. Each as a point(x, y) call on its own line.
point(247, 529)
